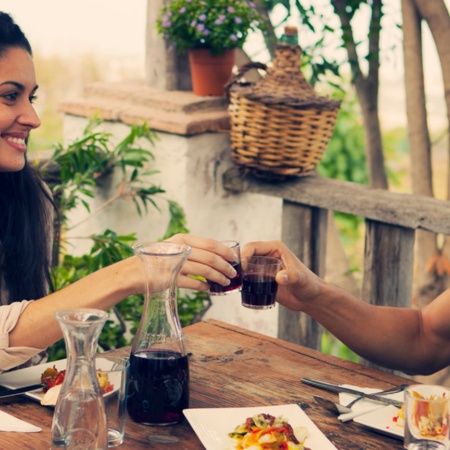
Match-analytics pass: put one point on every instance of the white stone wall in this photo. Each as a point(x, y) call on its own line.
point(191, 171)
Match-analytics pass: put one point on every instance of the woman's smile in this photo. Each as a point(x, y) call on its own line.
point(16, 140)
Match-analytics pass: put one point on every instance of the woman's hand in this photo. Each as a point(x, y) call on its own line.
point(297, 285)
point(209, 259)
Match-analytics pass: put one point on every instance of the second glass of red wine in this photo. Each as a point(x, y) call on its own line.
point(236, 282)
point(259, 287)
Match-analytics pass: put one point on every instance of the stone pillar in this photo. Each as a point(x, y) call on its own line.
point(164, 67)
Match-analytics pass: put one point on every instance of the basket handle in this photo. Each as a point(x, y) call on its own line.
point(236, 78)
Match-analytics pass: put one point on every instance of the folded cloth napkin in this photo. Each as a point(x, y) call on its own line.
point(363, 406)
point(11, 423)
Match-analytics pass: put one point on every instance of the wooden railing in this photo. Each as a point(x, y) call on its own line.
point(391, 220)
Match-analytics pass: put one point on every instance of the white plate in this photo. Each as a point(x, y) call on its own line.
point(382, 420)
point(32, 375)
point(212, 425)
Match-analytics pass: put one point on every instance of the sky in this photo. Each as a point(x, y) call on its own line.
point(107, 27)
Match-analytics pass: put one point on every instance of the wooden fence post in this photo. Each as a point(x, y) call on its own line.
point(388, 268)
point(388, 264)
point(304, 231)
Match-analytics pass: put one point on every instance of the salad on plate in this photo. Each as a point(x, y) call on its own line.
point(267, 432)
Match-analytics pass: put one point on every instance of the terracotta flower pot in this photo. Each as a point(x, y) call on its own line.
point(210, 73)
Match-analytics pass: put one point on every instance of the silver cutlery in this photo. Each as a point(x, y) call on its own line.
point(360, 394)
point(7, 394)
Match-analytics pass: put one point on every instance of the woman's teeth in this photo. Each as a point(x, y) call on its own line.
point(15, 140)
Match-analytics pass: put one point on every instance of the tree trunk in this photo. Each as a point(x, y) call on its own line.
point(367, 87)
point(419, 143)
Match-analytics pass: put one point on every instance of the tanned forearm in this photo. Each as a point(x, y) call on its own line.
point(389, 336)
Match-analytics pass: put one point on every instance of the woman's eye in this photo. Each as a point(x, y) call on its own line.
point(11, 96)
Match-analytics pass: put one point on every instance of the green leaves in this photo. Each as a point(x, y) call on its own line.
point(85, 162)
point(177, 222)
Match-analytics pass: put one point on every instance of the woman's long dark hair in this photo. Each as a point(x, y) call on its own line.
point(26, 211)
point(25, 231)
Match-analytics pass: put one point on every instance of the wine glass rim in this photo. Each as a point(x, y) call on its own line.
point(264, 260)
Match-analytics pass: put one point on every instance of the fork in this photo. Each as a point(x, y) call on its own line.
point(393, 390)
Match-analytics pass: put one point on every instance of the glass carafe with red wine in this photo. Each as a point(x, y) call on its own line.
point(158, 389)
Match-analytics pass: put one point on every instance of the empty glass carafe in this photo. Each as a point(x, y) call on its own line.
point(79, 420)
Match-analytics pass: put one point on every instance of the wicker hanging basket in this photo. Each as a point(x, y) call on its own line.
point(279, 126)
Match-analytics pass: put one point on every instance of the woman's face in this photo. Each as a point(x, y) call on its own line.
point(17, 115)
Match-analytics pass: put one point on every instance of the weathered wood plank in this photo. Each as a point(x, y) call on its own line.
point(388, 264)
point(304, 232)
point(407, 210)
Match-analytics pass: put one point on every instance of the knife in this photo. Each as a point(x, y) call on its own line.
point(6, 393)
point(337, 388)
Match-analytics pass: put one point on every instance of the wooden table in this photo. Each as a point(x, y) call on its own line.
point(233, 367)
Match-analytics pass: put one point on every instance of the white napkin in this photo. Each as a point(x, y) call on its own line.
point(363, 406)
point(11, 423)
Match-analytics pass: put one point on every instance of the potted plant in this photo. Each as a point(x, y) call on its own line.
point(210, 30)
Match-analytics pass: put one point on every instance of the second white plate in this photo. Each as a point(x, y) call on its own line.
point(382, 420)
point(212, 425)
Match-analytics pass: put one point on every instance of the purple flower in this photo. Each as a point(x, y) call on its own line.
point(193, 23)
point(202, 17)
point(182, 9)
point(233, 37)
point(238, 20)
point(206, 32)
point(230, 9)
point(252, 5)
point(169, 14)
point(166, 23)
point(200, 27)
point(218, 21)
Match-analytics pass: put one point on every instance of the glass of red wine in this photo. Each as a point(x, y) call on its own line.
point(259, 287)
point(236, 282)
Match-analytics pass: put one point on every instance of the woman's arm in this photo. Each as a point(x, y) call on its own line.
point(37, 326)
point(414, 341)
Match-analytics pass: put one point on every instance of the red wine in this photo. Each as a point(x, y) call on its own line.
point(158, 389)
point(258, 290)
point(216, 288)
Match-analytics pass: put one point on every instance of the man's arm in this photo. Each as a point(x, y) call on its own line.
point(414, 341)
